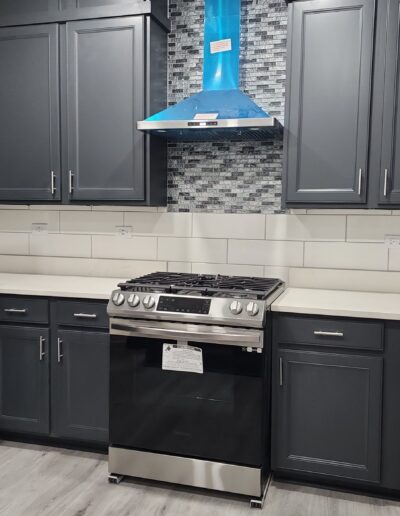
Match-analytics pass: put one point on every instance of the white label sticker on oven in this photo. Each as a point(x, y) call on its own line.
point(187, 359)
point(223, 45)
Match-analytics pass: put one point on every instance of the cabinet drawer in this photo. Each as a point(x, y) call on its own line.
point(23, 310)
point(330, 332)
point(77, 313)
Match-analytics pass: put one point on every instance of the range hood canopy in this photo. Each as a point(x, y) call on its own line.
point(221, 111)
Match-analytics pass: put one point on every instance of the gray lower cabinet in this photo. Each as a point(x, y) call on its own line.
point(104, 87)
point(330, 51)
point(80, 378)
point(29, 107)
point(329, 414)
point(24, 379)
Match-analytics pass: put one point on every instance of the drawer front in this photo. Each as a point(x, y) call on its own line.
point(329, 332)
point(80, 313)
point(18, 309)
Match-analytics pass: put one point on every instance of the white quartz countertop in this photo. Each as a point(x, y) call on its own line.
point(57, 286)
point(369, 305)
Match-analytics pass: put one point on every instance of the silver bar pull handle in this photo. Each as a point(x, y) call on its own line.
point(71, 181)
point(59, 354)
point(360, 178)
point(385, 184)
point(15, 310)
point(53, 183)
point(42, 353)
point(85, 316)
point(280, 371)
point(319, 333)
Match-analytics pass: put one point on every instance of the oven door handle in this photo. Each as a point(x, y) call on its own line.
point(186, 332)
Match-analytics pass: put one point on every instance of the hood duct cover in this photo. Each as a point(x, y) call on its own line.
point(221, 111)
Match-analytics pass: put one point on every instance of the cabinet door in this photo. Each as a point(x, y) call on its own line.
point(80, 362)
point(22, 8)
point(29, 107)
point(391, 409)
point(24, 379)
point(105, 99)
point(328, 414)
point(390, 163)
point(328, 100)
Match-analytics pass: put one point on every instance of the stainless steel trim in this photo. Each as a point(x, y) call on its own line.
point(70, 182)
point(360, 177)
point(85, 316)
point(217, 124)
point(329, 333)
point(385, 185)
point(183, 331)
point(53, 183)
point(15, 310)
point(185, 471)
point(59, 354)
point(280, 371)
point(42, 353)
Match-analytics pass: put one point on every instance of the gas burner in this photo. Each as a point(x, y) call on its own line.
point(203, 285)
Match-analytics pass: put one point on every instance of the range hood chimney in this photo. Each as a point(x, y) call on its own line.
point(221, 111)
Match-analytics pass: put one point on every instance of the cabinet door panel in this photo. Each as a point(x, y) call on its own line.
point(390, 163)
point(80, 385)
point(22, 7)
point(105, 99)
point(24, 380)
point(328, 410)
point(29, 107)
point(329, 100)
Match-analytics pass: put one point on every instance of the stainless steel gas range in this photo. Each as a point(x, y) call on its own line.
point(190, 381)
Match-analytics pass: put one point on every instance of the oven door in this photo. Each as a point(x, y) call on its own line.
point(219, 414)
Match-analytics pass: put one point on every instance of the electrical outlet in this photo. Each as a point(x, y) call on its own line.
point(392, 241)
point(124, 231)
point(40, 227)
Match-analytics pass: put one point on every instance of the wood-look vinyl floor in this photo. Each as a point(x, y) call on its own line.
point(43, 481)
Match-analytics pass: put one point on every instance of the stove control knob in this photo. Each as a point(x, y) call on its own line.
point(149, 302)
point(252, 309)
point(236, 307)
point(118, 298)
point(133, 300)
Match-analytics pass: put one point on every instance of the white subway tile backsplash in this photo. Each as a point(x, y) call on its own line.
point(372, 229)
point(60, 244)
point(13, 207)
point(160, 224)
point(192, 250)
point(90, 222)
point(282, 273)
point(22, 220)
point(210, 225)
point(262, 252)
point(14, 243)
point(345, 255)
point(335, 279)
point(227, 269)
point(306, 227)
point(127, 248)
point(79, 266)
point(394, 261)
point(59, 207)
point(179, 267)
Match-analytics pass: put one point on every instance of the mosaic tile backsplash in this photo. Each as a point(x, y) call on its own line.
point(230, 177)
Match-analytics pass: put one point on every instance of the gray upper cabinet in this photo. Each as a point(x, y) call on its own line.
point(389, 183)
point(328, 101)
point(29, 107)
point(104, 89)
point(327, 410)
point(9, 8)
point(24, 379)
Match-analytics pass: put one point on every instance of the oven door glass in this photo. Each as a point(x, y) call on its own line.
point(218, 415)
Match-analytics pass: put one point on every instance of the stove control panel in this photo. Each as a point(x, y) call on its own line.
point(186, 305)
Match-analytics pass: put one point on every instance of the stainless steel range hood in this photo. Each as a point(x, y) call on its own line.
point(221, 111)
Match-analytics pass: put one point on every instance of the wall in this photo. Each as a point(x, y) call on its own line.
point(229, 177)
point(313, 249)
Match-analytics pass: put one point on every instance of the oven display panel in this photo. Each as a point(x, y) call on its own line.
point(184, 305)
